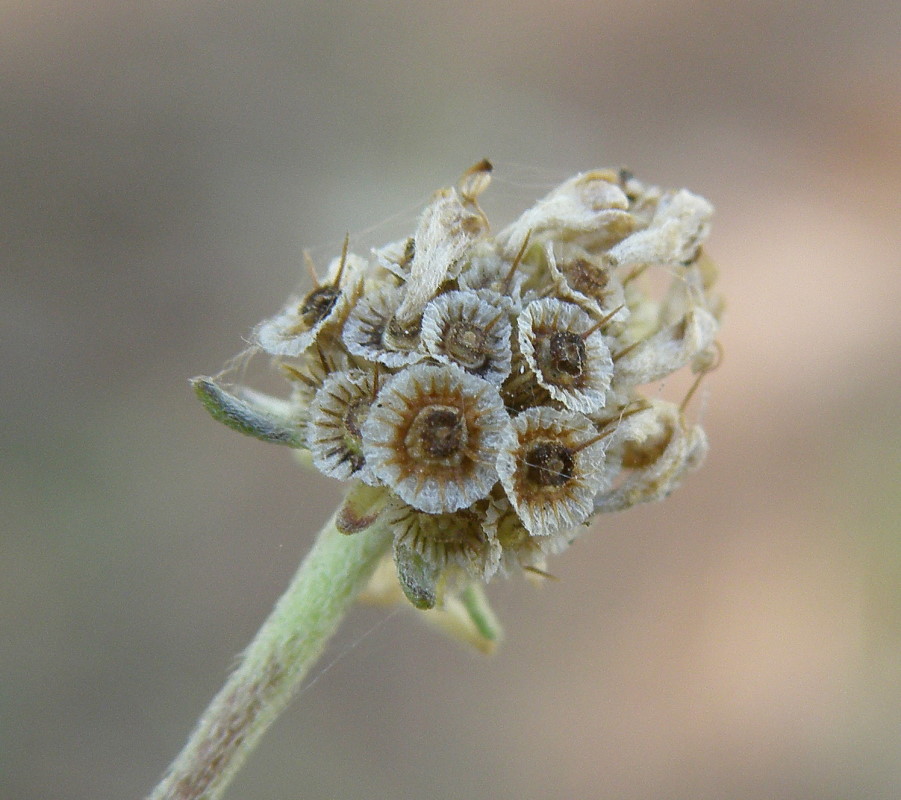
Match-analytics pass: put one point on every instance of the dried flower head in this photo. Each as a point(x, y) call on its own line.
point(486, 392)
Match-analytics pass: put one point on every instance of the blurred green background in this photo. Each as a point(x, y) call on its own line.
point(163, 167)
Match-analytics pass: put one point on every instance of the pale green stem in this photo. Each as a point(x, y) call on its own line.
point(476, 604)
point(271, 669)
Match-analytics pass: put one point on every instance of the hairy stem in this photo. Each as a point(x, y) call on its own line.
point(271, 669)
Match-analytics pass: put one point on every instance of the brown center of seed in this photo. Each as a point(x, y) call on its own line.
point(549, 464)
point(566, 353)
point(317, 305)
point(587, 278)
point(465, 344)
point(398, 336)
point(438, 434)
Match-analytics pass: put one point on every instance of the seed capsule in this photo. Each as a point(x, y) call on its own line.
point(680, 224)
point(659, 448)
point(588, 281)
point(589, 207)
point(553, 471)
point(337, 415)
point(567, 353)
point(460, 328)
point(487, 270)
point(373, 332)
point(433, 436)
point(519, 548)
point(298, 325)
point(666, 350)
point(450, 540)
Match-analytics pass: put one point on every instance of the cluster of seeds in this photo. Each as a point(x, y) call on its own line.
point(484, 388)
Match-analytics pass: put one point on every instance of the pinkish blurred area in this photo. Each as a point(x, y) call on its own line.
point(163, 167)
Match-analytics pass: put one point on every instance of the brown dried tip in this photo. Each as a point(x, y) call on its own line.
point(475, 180)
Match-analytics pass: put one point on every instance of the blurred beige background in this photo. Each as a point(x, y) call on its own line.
point(164, 165)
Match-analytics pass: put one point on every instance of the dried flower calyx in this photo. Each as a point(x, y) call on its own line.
point(487, 390)
point(298, 325)
point(433, 437)
point(465, 329)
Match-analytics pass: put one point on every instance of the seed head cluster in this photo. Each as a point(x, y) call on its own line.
point(490, 389)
